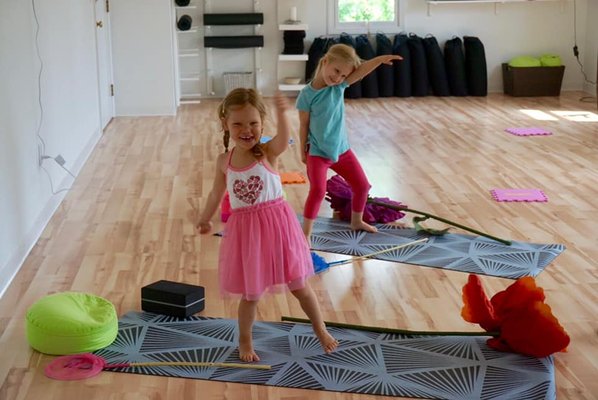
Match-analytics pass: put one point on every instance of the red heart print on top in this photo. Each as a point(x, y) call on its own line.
point(248, 191)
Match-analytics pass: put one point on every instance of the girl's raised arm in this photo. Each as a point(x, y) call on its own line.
point(280, 142)
point(303, 133)
point(367, 67)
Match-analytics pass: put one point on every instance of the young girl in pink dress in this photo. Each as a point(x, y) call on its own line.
point(263, 247)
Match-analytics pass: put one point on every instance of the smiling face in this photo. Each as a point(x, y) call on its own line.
point(334, 72)
point(244, 124)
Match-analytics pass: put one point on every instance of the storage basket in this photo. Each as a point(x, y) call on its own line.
point(532, 81)
point(233, 80)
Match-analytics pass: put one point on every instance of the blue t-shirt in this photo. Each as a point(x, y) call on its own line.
point(327, 135)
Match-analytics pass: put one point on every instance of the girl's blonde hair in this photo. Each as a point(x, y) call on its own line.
point(238, 98)
point(339, 52)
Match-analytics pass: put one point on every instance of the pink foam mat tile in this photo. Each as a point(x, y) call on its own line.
point(528, 131)
point(519, 195)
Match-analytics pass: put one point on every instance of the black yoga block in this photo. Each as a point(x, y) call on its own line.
point(172, 298)
point(184, 23)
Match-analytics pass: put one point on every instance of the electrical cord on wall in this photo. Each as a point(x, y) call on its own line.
point(586, 99)
point(42, 150)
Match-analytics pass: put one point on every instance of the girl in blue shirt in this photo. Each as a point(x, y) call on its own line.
point(323, 134)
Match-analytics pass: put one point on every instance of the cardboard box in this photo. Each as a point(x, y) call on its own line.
point(172, 298)
point(532, 81)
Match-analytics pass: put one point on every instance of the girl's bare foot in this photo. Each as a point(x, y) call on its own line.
point(246, 352)
point(328, 342)
point(363, 226)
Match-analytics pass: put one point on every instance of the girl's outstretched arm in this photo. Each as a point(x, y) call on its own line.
point(204, 225)
point(368, 66)
point(280, 142)
point(303, 133)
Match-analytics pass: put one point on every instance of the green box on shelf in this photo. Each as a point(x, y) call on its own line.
point(532, 81)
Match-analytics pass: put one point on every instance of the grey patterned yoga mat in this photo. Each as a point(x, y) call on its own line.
point(457, 252)
point(430, 367)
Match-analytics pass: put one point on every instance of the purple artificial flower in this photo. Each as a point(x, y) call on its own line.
point(339, 195)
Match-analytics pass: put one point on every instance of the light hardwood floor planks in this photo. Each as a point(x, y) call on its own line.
point(129, 220)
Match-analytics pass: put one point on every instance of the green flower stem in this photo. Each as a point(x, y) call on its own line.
point(446, 221)
point(391, 330)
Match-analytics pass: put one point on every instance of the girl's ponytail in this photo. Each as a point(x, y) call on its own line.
point(226, 139)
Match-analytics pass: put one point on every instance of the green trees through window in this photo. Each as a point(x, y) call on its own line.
point(366, 10)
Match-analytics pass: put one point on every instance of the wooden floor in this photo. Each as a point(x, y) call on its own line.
point(129, 221)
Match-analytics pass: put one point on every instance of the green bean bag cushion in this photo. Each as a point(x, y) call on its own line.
point(550, 60)
point(71, 322)
point(525, 61)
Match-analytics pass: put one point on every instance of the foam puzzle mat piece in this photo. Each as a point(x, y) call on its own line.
point(292, 177)
point(531, 131)
point(535, 195)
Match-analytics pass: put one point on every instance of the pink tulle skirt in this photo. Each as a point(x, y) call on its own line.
point(263, 249)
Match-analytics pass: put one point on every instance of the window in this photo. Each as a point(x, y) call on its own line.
point(364, 16)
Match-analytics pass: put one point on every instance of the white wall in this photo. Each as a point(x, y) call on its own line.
point(143, 53)
point(591, 47)
point(506, 30)
point(70, 125)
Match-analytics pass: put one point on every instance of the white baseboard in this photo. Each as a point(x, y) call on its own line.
point(10, 269)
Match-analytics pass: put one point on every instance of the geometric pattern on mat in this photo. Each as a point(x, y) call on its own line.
point(457, 252)
point(429, 367)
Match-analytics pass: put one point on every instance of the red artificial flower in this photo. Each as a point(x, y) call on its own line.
point(523, 321)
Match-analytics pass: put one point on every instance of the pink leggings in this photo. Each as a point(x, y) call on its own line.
point(349, 168)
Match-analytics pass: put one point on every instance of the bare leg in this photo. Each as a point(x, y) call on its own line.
point(309, 304)
point(358, 224)
point(246, 314)
point(308, 226)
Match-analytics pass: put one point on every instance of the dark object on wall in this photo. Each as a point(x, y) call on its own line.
point(475, 66)
point(233, 42)
point(402, 69)
point(419, 66)
point(182, 3)
point(454, 60)
point(436, 70)
point(353, 91)
point(173, 298)
point(233, 19)
point(532, 81)
point(293, 42)
point(365, 51)
point(184, 23)
point(316, 51)
point(384, 72)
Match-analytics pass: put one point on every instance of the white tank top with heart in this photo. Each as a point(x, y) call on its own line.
point(253, 185)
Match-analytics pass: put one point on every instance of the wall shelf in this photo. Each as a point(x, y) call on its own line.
point(291, 88)
point(495, 2)
point(189, 77)
point(482, 1)
point(289, 69)
point(192, 30)
point(292, 27)
point(293, 57)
